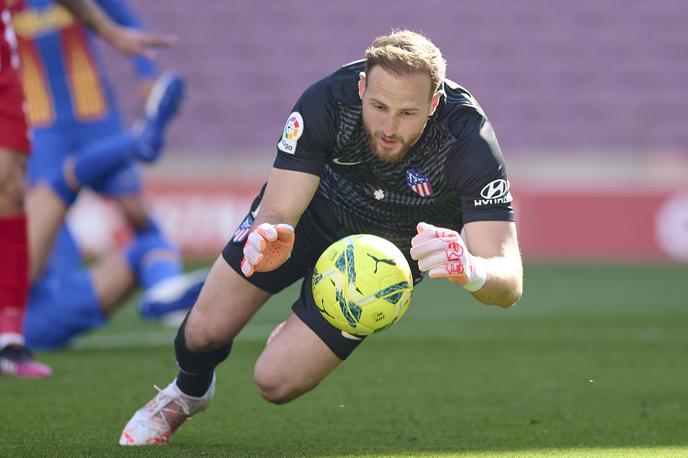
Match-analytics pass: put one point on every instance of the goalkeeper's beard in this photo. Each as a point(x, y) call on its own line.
point(389, 155)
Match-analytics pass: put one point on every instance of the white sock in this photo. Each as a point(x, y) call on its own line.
point(10, 338)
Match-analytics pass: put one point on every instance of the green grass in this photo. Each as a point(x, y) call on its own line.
point(592, 362)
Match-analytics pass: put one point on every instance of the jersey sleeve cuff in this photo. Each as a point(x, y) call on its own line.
point(298, 164)
point(489, 216)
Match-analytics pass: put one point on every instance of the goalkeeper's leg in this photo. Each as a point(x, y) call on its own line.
point(203, 342)
point(301, 352)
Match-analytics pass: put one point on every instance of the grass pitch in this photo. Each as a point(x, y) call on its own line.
point(592, 362)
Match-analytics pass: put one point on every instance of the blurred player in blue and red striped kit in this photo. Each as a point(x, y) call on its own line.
point(65, 88)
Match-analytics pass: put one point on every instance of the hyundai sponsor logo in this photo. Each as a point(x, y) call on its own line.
point(495, 192)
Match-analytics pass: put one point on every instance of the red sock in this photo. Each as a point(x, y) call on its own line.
point(14, 273)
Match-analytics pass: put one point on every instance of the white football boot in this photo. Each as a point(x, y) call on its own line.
point(154, 423)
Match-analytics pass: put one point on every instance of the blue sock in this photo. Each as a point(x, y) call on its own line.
point(152, 257)
point(98, 160)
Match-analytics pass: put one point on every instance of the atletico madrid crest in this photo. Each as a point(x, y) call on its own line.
point(243, 229)
point(419, 183)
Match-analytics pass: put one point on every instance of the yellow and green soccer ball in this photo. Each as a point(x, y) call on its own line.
point(362, 284)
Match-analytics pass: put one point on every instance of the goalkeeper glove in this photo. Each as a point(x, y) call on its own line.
point(267, 247)
point(443, 254)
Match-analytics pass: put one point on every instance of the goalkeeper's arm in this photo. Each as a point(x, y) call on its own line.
point(287, 195)
point(486, 260)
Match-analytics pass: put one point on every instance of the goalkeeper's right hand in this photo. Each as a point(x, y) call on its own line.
point(267, 247)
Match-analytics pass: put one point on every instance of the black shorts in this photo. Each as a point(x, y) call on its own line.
point(315, 232)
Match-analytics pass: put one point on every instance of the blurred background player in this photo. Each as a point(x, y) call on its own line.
point(72, 111)
point(67, 299)
point(14, 145)
point(15, 358)
point(71, 104)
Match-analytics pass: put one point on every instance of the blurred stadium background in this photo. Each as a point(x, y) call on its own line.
point(588, 100)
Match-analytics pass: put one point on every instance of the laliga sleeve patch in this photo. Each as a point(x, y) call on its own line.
point(292, 132)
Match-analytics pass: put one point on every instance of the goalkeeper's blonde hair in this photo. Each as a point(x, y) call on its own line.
point(404, 52)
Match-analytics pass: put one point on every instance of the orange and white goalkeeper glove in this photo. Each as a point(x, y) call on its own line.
point(267, 247)
point(443, 254)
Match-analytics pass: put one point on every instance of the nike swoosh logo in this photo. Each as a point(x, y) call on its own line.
point(338, 162)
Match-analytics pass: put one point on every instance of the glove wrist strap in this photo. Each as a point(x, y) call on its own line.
point(479, 275)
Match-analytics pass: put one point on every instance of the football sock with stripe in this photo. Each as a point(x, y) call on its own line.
point(196, 368)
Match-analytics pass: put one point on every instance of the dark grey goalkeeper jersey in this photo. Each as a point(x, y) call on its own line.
point(453, 175)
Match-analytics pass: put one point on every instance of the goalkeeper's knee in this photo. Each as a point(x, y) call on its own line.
point(195, 362)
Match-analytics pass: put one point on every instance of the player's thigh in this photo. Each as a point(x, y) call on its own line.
point(113, 280)
point(12, 179)
point(135, 209)
point(125, 185)
point(11, 162)
point(303, 352)
point(295, 361)
point(226, 303)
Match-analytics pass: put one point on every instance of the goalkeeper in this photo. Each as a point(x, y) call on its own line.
point(385, 146)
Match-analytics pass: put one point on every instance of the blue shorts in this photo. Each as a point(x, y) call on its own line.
point(62, 305)
point(51, 145)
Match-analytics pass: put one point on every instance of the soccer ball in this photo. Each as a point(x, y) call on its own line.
point(362, 284)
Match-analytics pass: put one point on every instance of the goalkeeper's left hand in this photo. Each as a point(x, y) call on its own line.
point(443, 254)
